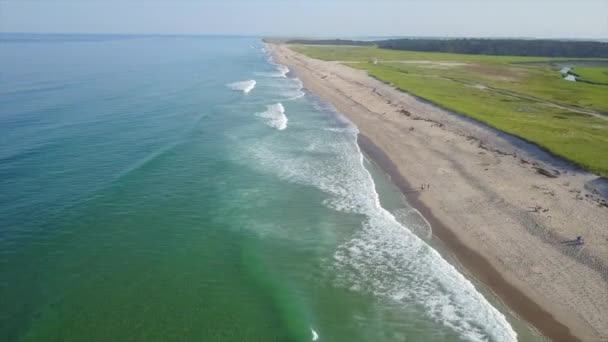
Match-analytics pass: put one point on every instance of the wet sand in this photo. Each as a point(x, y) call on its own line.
point(485, 199)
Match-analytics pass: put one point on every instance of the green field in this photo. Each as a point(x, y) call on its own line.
point(524, 96)
point(593, 74)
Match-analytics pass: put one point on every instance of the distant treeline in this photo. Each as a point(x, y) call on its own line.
point(512, 47)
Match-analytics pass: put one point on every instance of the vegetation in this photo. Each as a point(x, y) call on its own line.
point(514, 47)
point(524, 96)
point(597, 75)
point(498, 47)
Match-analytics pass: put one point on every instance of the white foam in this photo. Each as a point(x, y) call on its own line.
point(288, 89)
point(298, 94)
point(275, 116)
point(315, 336)
point(244, 86)
point(415, 222)
point(297, 90)
point(384, 257)
point(292, 89)
point(283, 70)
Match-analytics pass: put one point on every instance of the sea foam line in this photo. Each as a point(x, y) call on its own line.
point(283, 70)
point(384, 257)
point(299, 92)
point(447, 295)
point(294, 90)
point(244, 86)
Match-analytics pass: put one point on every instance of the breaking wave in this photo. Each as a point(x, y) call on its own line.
point(275, 116)
point(296, 90)
point(283, 70)
point(244, 86)
point(290, 88)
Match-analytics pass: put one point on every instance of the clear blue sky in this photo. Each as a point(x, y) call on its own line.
point(532, 18)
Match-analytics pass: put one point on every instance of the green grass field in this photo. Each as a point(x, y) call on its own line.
point(593, 74)
point(524, 96)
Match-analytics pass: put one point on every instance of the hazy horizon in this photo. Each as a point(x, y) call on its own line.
point(292, 36)
point(585, 19)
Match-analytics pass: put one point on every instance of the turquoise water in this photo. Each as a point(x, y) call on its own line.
point(188, 189)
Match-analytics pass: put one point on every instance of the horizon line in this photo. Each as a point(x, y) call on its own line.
point(311, 37)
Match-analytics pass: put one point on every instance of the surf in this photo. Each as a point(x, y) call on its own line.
point(245, 86)
point(282, 70)
point(295, 89)
point(383, 257)
point(275, 116)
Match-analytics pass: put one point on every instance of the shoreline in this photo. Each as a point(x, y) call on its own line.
point(503, 258)
point(471, 260)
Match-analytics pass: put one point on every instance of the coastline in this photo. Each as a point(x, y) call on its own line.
point(502, 258)
point(480, 268)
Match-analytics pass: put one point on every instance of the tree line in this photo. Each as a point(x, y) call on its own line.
point(478, 46)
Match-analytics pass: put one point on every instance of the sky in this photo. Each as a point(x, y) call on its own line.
point(312, 18)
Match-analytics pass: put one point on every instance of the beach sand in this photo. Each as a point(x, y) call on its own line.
point(504, 221)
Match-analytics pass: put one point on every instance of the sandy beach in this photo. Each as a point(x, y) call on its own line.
point(507, 223)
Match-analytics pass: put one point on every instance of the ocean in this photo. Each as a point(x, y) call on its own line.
point(184, 188)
